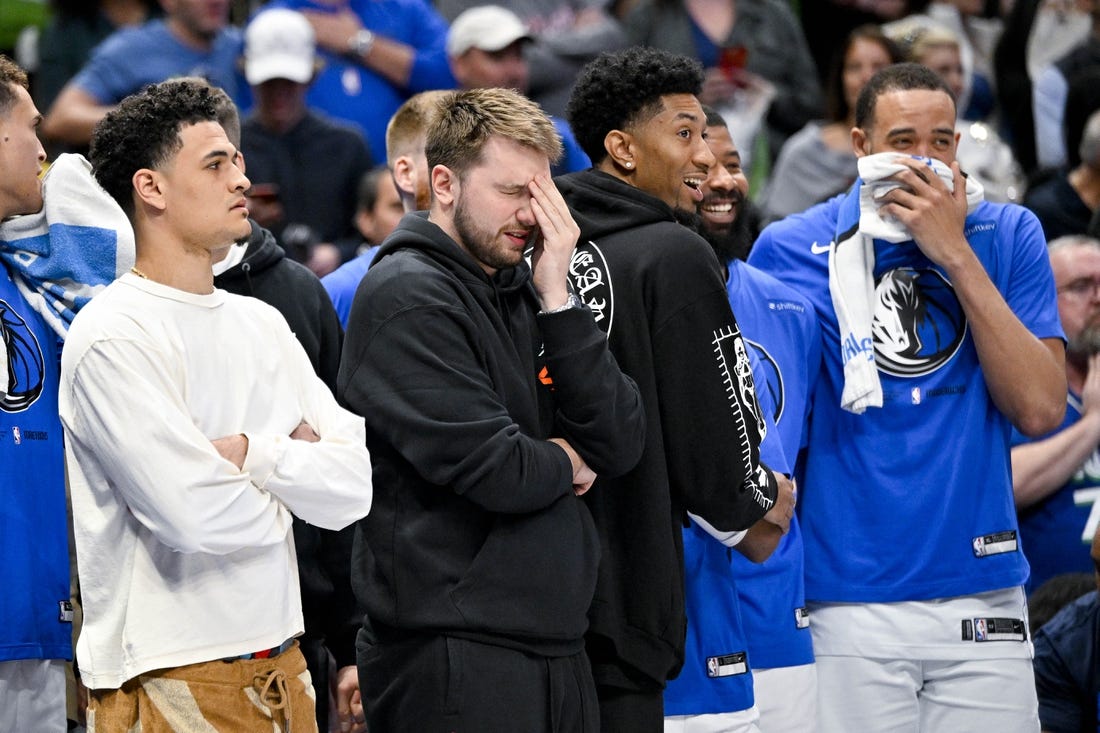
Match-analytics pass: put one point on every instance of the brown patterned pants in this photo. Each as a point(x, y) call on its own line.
point(242, 696)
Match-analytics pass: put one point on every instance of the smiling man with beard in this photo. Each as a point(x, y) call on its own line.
point(1056, 478)
point(781, 330)
point(658, 293)
point(492, 402)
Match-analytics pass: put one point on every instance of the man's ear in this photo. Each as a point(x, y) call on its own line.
point(445, 185)
point(148, 187)
point(404, 175)
point(620, 150)
point(860, 142)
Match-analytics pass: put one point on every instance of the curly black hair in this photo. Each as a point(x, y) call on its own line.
point(616, 91)
point(143, 131)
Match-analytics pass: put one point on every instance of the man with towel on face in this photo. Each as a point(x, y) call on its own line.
point(940, 333)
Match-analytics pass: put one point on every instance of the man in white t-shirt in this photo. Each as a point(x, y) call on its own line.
point(195, 426)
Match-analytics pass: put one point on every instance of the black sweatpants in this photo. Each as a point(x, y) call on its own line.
point(440, 684)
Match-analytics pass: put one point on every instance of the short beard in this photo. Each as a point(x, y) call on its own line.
point(1084, 345)
point(478, 242)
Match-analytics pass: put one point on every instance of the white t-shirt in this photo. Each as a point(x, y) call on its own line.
point(182, 557)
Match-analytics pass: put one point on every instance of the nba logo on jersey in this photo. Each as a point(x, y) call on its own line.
point(16, 434)
point(727, 665)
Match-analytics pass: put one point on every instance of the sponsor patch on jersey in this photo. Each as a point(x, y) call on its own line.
point(727, 665)
point(997, 543)
point(65, 611)
point(994, 629)
point(801, 618)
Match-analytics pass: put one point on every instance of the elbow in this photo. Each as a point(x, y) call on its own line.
point(354, 510)
point(1043, 418)
point(624, 455)
point(188, 538)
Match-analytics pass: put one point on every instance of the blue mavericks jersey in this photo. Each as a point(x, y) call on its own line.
point(341, 283)
point(780, 326)
point(714, 621)
point(716, 677)
point(35, 615)
point(781, 329)
point(912, 501)
point(1056, 533)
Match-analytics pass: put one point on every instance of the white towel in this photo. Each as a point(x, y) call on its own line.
point(852, 265)
point(70, 250)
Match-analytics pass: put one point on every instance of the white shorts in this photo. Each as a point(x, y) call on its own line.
point(895, 696)
point(786, 698)
point(32, 695)
point(743, 721)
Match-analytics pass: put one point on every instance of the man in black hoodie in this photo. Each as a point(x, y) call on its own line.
point(491, 403)
point(659, 293)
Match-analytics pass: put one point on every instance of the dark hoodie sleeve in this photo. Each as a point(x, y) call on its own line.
point(711, 421)
point(417, 374)
point(599, 409)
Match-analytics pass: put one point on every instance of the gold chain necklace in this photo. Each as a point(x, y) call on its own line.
point(139, 273)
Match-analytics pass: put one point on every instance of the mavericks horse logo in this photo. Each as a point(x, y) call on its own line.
point(26, 367)
point(918, 324)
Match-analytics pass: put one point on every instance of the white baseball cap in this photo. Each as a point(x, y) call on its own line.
point(279, 44)
point(488, 27)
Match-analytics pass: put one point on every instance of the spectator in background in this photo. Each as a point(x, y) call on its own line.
point(818, 161)
point(378, 209)
point(1082, 99)
point(304, 167)
point(760, 37)
point(1067, 201)
point(377, 215)
point(1050, 93)
point(376, 54)
point(828, 20)
point(405, 138)
point(565, 35)
point(1056, 477)
point(75, 28)
point(1067, 663)
point(485, 45)
point(1052, 596)
point(193, 39)
point(1046, 30)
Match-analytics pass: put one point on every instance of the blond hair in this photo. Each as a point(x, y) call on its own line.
point(467, 120)
point(406, 129)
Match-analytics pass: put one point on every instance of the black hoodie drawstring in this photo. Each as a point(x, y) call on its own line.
point(246, 268)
